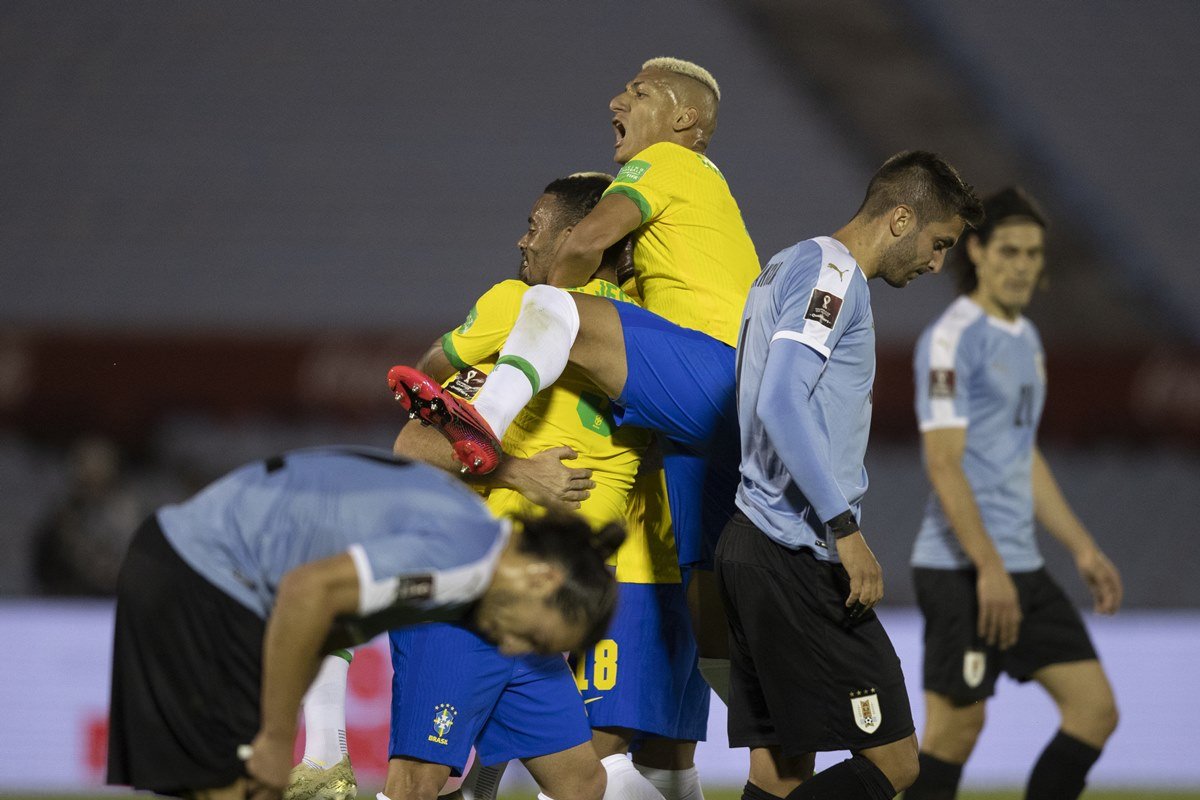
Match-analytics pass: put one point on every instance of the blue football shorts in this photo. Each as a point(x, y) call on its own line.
point(681, 384)
point(452, 690)
point(644, 675)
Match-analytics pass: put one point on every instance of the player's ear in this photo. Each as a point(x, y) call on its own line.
point(974, 249)
point(687, 117)
point(543, 578)
point(903, 220)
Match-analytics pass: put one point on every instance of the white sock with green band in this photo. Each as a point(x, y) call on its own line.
point(325, 712)
point(535, 354)
point(674, 784)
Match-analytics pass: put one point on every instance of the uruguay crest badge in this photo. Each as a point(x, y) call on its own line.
point(974, 667)
point(867, 714)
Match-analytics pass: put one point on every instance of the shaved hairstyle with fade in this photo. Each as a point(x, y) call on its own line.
point(699, 90)
point(926, 183)
point(687, 69)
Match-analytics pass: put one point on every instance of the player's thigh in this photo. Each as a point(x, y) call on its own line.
point(539, 713)
point(414, 779)
point(599, 348)
point(1052, 630)
point(446, 681)
point(644, 676)
point(777, 773)
point(612, 741)
point(708, 617)
point(897, 760)
point(571, 774)
point(951, 728)
point(1084, 697)
point(957, 663)
point(828, 683)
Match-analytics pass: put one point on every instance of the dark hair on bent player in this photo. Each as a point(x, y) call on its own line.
point(1010, 204)
point(926, 182)
point(589, 591)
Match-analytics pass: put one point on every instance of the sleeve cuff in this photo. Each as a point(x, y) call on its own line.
point(804, 339)
point(452, 354)
point(940, 424)
point(373, 595)
point(634, 195)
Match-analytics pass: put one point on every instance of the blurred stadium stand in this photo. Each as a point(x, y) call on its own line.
point(239, 218)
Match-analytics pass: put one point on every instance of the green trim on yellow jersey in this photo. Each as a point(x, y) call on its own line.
point(634, 195)
point(452, 354)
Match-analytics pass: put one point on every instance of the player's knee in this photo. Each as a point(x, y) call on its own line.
point(589, 784)
point(409, 780)
point(1094, 720)
point(904, 773)
point(897, 761)
point(552, 303)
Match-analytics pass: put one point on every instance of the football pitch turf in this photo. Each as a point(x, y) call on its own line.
point(368, 793)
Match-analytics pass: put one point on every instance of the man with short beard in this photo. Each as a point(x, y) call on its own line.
point(812, 668)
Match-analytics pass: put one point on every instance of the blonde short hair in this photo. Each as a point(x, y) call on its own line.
point(686, 68)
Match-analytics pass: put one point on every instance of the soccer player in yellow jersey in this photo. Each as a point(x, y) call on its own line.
point(641, 682)
point(668, 367)
point(519, 708)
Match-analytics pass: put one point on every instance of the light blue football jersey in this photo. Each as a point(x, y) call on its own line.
point(987, 375)
point(416, 534)
point(814, 293)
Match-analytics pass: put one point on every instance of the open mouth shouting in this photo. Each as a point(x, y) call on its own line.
point(619, 129)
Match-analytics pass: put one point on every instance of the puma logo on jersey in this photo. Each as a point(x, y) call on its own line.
point(841, 272)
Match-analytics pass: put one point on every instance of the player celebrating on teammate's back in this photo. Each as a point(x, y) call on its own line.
point(989, 605)
point(669, 366)
point(506, 708)
point(812, 667)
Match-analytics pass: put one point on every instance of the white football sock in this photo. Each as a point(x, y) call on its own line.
point(716, 673)
point(325, 712)
point(674, 784)
point(381, 796)
point(535, 354)
point(625, 782)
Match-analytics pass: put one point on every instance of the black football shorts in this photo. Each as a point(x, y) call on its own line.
point(960, 665)
point(804, 677)
point(186, 671)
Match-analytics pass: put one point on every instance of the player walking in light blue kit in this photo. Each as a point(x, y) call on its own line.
point(989, 605)
point(812, 668)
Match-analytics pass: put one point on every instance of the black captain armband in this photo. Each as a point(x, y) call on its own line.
point(843, 525)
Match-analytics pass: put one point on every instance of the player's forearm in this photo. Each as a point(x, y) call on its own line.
point(299, 623)
point(1054, 513)
point(958, 504)
point(791, 371)
point(575, 262)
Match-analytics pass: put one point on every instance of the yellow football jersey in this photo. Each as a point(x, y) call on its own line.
point(572, 412)
point(692, 258)
point(648, 554)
